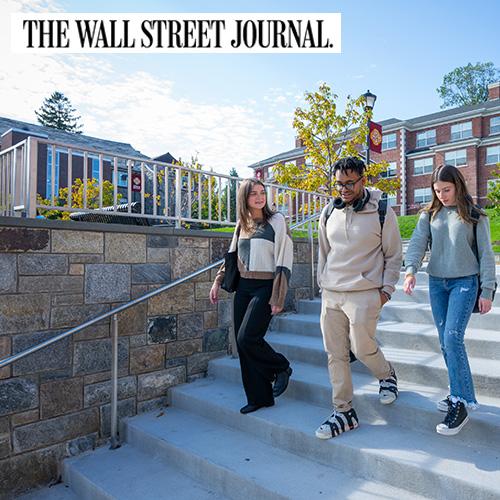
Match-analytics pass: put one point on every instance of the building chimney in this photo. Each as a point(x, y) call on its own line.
point(493, 91)
point(298, 142)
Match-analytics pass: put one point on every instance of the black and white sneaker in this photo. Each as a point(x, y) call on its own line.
point(388, 389)
point(455, 419)
point(337, 423)
point(443, 404)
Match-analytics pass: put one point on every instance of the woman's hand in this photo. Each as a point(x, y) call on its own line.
point(214, 293)
point(383, 298)
point(485, 305)
point(276, 310)
point(409, 284)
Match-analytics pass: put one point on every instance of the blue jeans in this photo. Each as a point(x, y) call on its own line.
point(452, 301)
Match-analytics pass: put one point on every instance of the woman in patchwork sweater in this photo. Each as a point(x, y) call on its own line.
point(461, 260)
point(265, 257)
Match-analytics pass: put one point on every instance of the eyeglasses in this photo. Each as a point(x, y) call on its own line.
point(348, 185)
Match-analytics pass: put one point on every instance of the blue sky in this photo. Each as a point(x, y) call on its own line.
point(233, 110)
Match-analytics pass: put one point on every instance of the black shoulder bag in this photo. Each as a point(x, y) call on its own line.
point(231, 272)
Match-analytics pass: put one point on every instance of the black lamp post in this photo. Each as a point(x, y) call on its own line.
point(369, 103)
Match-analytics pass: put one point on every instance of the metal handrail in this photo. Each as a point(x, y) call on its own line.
point(114, 326)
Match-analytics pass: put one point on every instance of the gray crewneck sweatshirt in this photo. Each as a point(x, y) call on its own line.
point(452, 253)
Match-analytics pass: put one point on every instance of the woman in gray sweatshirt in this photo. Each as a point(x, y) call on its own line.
point(461, 264)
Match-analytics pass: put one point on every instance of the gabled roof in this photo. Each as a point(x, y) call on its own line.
point(84, 141)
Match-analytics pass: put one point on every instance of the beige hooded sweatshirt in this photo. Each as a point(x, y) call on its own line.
point(354, 255)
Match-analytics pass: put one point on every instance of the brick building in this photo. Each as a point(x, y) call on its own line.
point(467, 137)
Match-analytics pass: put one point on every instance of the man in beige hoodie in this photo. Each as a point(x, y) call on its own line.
point(359, 262)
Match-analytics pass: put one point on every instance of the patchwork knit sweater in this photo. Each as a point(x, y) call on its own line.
point(265, 254)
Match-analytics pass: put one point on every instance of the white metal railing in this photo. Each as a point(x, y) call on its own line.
point(13, 179)
point(35, 174)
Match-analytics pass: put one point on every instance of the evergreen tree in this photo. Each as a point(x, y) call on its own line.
point(57, 112)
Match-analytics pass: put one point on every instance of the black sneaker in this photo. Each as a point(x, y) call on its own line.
point(388, 389)
point(281, 382)
point(455, 419)
point(337, 423)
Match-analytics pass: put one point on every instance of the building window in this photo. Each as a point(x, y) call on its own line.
point(456, 158)
point(422, 195)
point(95, 167)
point(391, 171)
point(461, 131)
point(423, 166)
point(48, 184)
point(427, 138)
point(388, 141)
point(495, 125)
point(493, 155)
point(392, 199)
point(122, 179)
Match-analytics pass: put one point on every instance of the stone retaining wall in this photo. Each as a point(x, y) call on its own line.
point(55, 275)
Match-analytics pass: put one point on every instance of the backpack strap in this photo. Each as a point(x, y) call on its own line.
point(382, 211)
point(329, 210)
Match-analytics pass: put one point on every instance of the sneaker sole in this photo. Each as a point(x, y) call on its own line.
point(387, 401)
point(446, 431)
point(320, 435)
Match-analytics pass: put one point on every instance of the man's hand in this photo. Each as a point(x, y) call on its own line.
point(383, 297)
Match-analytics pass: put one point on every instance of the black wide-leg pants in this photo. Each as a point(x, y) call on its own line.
point(258, 360)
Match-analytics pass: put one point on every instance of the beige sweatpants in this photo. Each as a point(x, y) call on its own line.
point(349, 321)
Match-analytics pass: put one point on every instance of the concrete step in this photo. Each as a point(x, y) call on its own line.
point(232, 461)
point(418, 336)
point(57, 492)
point(415, 407)
point(128, 473)
point(420, 367)
point(412, 312)
point(424, 464)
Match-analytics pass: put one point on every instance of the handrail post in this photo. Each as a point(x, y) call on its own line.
point(178, 198)
point(114, 383)
point(31, 177)
point(311, 246)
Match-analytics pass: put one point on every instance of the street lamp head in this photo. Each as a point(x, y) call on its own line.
point(369, 100)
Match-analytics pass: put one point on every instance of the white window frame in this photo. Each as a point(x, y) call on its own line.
point(48, 180)
point(450, 157)
point(389, 141)
point(426, 138)
point(424, 195)
point(426, 164)
point(461, 130)
point(493, 155)
point(392, 199)
point(495, 127)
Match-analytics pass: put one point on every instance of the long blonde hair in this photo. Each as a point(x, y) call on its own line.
point(465, 204)
point(244, 215)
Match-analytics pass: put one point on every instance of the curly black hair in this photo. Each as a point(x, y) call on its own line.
point(349, 163)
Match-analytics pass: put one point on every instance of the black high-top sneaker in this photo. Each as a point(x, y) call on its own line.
point(455, 419)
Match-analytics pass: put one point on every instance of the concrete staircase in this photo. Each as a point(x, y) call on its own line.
point(201, 447)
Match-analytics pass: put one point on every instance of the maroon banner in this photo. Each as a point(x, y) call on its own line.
point(136, 181)
point(375, 137)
